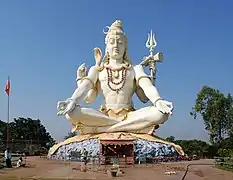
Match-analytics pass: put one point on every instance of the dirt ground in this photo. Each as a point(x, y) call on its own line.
point(44, 169)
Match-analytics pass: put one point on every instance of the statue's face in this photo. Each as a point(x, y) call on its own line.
point(116, 46)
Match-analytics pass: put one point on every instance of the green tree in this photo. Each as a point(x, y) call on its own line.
point(193, 147)
point(71, 134)
point(229, 116)
point(216, 111)
point(2, 131)
point(170, 139)
point(225, 152)
point(227, 143)
point(27, 129)
point(2, 134)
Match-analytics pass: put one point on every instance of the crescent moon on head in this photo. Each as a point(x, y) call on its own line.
point(106, 29)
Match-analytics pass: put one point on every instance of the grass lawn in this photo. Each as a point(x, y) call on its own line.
point(225, 167)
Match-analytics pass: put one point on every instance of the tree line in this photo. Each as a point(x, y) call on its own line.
point(215, 109)
point(24, 134)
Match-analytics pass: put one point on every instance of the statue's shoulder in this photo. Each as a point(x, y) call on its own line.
point(102, 74)
point(138, 67)
point(93, 72)
point(94, 69)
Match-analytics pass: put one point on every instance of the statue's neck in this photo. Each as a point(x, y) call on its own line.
point(115, 63)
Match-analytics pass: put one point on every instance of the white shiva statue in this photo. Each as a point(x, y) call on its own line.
point(116, 79)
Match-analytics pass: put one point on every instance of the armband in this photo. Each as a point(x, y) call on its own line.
point(86, 78)
point(78, 79)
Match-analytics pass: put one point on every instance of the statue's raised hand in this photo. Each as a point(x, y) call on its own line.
point(81, 71)
point(65, 107)
point(164, 106)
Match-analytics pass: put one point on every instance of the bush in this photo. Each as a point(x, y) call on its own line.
point(225, 152)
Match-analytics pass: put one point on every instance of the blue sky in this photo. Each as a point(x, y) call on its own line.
point(43, 42)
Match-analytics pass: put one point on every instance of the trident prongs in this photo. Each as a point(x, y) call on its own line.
point(151, 42)
point(151, 60)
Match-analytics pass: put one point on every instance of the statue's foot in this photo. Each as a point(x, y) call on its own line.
point(74, 128)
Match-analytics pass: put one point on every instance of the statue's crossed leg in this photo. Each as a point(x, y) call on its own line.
point(143, 119)
point(88, 120)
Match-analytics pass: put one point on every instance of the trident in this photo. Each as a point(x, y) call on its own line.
point(151, 60)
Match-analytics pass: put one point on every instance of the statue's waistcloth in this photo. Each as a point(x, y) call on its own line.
point(121, 113)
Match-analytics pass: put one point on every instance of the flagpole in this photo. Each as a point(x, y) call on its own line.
point(8, 117)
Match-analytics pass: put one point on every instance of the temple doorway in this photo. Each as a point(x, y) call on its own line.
point(117, 151)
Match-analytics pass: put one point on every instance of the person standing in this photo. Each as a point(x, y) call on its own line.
point(85, 154)
point(8, 158)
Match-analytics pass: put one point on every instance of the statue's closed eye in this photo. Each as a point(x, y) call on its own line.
point(111, 41)
point(120, 42)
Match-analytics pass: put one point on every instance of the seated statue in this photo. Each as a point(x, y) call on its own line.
point(116, 79)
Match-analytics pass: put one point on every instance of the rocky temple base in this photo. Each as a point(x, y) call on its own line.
point(144, 145)
point(142, 148)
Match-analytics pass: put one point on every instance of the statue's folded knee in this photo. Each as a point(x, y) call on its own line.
point(163, 118)
point(158, 117)
point(74, 114)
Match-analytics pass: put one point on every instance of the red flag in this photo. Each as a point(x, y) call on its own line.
point(7, 87)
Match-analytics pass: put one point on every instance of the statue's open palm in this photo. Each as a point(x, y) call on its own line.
point(65, 107)
point(164, 106)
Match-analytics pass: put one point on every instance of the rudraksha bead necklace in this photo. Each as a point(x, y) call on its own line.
point(121, 82)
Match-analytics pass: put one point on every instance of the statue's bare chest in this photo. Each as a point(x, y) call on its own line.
point(117, 80)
